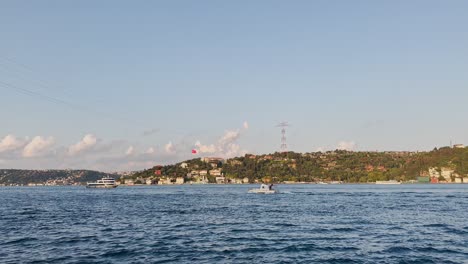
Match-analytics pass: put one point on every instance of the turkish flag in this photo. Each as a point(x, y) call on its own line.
point(194, 151)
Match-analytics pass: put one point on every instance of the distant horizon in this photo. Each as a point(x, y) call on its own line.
point(122, 85)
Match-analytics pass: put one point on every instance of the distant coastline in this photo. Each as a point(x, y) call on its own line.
point(443, 165)
point(17, 177)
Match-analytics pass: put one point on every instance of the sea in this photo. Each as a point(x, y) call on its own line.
point(414, 223)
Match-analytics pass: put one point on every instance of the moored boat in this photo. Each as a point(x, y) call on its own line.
point(106, 182)
point(388, 182)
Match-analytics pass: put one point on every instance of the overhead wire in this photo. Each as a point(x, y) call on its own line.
point(36, 94)
point(27, 70)
point(19, 74)
point(59, 101)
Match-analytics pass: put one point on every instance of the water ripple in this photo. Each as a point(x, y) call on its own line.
point(224, 224)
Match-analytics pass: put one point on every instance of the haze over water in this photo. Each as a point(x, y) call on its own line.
point(224, 224)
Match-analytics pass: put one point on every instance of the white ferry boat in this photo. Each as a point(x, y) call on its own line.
point(388, 182)
point(106, 182)
point(264, 189)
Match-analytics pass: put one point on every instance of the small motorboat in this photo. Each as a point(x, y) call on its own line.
point(264, 189)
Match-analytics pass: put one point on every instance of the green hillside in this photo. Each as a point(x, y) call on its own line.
point(339, 165)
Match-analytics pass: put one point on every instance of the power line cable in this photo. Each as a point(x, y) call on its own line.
point(59, 101)
point(19, 73)
point(44, 84)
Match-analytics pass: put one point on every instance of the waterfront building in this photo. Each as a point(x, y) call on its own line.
point(220, 180)
point(164, 181)
point(447, 174)
point(423, 179)
point(200, 179)
point(180, 180)
point(434, 173)
point(129, 182)
point(215, 172)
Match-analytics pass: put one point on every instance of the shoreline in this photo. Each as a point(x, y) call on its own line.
point(238, 184)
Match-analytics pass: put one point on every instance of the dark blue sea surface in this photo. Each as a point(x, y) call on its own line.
point(225, 224)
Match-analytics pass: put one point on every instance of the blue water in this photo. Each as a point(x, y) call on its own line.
point(224, 224)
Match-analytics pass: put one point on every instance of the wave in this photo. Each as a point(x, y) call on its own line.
point(22, 240)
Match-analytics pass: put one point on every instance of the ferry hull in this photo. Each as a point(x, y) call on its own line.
point(101, 186)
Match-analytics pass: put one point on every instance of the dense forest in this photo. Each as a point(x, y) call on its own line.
point(338, 165)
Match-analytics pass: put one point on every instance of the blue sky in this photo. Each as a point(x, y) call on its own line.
point(134, 83)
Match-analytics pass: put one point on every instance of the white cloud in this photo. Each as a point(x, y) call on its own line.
point(228, 146)
point(225, 147)
point(43, 152)
point(205, 148)
point(150, 150)
point(170, 148)
point(88, 142)
point(38, 146)
point(346, 145)
point(233, 150)
point(246, 125)
point(229, 137)
point(10, 143)
point(130, 151)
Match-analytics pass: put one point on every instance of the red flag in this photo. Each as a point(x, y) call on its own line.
point(194, 151)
